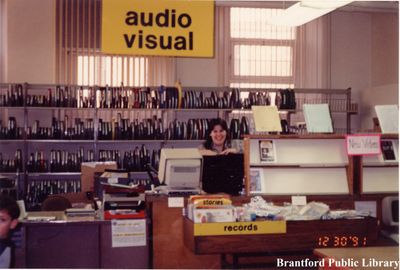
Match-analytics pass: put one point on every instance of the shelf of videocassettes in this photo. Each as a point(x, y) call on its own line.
point(152, 102)
point(144, 126)
point(52, 129)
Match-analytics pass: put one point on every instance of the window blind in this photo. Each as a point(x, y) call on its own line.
point(80, 60)
point(2, 40)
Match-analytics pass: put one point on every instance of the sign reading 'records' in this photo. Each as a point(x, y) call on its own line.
point(235, 228)
point(158, 27)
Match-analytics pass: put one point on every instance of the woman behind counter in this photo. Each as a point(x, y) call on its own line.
point(218, 140)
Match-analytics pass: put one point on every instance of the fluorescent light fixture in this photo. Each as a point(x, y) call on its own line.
point(305, 11)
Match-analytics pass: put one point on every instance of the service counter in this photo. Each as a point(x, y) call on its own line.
point(168, 246)
point(174, 244)
point(87, 244)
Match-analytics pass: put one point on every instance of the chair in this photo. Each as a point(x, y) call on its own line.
point(56, 203)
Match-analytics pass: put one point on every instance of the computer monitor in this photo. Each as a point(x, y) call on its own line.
point(390, 211)
point(223, 173)
point(180, 168)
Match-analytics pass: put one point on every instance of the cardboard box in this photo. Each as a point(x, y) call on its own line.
point(213, 215)
point(89, 168)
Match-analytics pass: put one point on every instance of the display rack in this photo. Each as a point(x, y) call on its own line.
point(297, 165)
point(380, 173)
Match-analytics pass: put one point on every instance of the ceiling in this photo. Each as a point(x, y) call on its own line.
point(372, 6)
point(355, 6)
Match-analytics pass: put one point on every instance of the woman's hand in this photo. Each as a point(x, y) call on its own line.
point(229, 151)
point(206, 152)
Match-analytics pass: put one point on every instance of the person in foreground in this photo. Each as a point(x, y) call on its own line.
point(217, 139)
point(9, 213)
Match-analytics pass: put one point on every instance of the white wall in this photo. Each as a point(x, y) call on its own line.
point(30, 41)
point(384, 87)
point(365, 57)
point(351, 54)
point(385, 53)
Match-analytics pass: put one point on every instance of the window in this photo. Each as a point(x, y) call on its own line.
point(80, 60)
point(112, 70)
point(261, 55)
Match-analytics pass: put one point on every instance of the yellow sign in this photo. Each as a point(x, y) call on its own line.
point(158, 27)
point(235, 228)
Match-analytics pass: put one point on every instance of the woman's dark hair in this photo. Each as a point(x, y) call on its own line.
point(8, 204)
point(215, 122)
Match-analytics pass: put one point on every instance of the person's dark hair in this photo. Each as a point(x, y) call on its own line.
point(9, 204)
point(215, 122)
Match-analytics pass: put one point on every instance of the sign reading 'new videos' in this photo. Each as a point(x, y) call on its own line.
point(158, 27)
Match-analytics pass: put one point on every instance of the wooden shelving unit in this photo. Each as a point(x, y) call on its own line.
point(305, 165)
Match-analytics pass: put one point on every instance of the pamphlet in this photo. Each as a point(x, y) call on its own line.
point(388, 150)
point(256, 180)
point(267, 151)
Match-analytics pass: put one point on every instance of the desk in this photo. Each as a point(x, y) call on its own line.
point(359, 258)
point(75, 244)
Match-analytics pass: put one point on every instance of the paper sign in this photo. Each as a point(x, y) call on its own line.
point(112, 180)
point(299, 200)
point(238, 228)
point(358, 145)
point(388, 116)
point(318, 118)
point(266, 118)
point(175, 202)
point(158, 27)
point(128, 232)
point(366, 207)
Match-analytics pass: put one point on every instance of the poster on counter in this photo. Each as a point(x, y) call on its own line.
point(128, 233)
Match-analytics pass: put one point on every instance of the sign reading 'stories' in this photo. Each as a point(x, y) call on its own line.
point(158, 27)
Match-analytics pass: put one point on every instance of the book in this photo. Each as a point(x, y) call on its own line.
point(80, 212)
